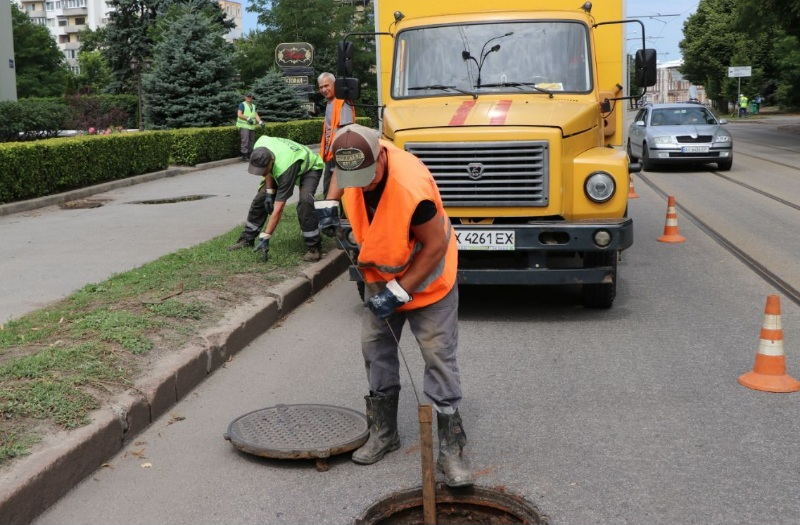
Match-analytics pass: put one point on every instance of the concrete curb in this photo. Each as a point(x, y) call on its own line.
point(34, 483)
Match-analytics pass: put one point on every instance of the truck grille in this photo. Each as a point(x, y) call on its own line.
point(488, 173)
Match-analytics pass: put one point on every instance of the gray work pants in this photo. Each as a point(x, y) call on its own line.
point(248, 138)
point(436, 329)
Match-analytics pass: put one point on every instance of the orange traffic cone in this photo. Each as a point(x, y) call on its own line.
point(632, 191)
point(671, 233)
point(769, 373)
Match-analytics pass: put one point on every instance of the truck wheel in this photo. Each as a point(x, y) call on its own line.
point(600, 295)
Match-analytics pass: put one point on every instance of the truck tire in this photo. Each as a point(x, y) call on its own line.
point(601, 295)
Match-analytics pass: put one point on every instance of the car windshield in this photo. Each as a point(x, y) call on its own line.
point(537, 57)
point(682, 117)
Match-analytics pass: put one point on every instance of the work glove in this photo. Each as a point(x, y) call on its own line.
point(269, 202)
point(386, 302)
point(262, 248)
point(251, 121)
point(328, 214)
point(262, 124)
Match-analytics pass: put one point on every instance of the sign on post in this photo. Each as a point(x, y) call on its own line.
point(740, 71)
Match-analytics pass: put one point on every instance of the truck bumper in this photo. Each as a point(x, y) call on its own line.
point(549, 253)
point(552, 252)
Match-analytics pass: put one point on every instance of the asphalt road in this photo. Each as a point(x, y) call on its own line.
point(630, 415)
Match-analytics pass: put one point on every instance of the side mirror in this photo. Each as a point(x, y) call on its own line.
point(344, 66)
point(645, 64)
point(347, 88)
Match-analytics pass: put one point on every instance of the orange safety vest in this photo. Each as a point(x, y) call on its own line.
point(385, 248)
point(336, 114)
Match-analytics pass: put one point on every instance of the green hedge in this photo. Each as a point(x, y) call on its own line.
point(45, 167)
point(36, 169)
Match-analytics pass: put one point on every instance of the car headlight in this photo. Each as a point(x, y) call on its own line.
point(722, 138)
point(600, 186)
point(663, 140)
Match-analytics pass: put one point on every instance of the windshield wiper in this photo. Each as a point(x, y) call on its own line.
point(442, 87)
point(519, 85)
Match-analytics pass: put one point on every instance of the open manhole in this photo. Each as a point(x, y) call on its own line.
point(173, 200)
point(474, 505)
point(299, 432)
point(83, 204)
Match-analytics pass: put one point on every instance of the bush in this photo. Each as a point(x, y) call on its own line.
point(101, 111)
point(36, 169)
point(31, 119)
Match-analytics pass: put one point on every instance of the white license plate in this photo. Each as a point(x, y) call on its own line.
point(485, 240)
point(694, 149)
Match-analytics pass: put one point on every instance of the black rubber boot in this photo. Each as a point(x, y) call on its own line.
point(452, 440)
point(383, 437)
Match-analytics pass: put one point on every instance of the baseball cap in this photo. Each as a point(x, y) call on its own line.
point(248, 94)
point(355, 150)
point(260, 159)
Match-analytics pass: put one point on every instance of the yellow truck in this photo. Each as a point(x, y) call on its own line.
point(515, 107)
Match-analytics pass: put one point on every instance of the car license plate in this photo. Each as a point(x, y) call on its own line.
point(694, 149)
point(494, 240)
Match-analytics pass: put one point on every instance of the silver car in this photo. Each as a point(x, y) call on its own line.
point(662, 134)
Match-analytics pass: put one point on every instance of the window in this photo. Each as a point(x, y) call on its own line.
point(63, 39)
point(80, 20)
point(49, 6)
point(62, 22)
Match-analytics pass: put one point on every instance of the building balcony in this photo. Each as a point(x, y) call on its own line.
point(36, 14)
point(70, 45)
point(74, 29)
point(76, 11)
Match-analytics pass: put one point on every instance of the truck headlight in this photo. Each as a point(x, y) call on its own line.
point(600, 186)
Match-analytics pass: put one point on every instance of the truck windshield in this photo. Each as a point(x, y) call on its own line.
point(536, 56)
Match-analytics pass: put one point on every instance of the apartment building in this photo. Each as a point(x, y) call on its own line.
point(67, 18)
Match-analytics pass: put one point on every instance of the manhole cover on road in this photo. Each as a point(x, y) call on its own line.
point(299, 432)
point(173, 200)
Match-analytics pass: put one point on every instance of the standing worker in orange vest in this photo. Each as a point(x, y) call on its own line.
point(246, 119)
point(338, 113)
point(408, 258)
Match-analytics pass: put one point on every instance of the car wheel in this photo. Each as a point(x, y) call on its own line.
point(630, 153)
point(725, 165)
point(647, 164)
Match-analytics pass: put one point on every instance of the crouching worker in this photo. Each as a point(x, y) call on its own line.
point(284, 163)
point(408, 258)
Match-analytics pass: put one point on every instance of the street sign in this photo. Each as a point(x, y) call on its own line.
point(740, 71)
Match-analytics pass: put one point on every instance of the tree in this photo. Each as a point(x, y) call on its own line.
point(95, 74)
point(253, 56)
point(323, 24)
point(131, 33)
point(709, 43)
point(191, 81)
point(40, 65)
point(276, 100)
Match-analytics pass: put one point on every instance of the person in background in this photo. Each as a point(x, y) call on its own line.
point(408, 258)
point(283, 164)
point(246, 120)
point(743, 105)
point(338, 113)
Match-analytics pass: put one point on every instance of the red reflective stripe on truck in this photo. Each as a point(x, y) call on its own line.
point(500, 112)
point(461, 113)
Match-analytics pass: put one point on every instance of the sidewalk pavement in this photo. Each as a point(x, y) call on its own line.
point(48, 252)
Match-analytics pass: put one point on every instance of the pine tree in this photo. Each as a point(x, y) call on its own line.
point(191, 82)
point(276, 101)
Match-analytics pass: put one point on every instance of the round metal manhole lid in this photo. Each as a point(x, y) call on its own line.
point(299, 431)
